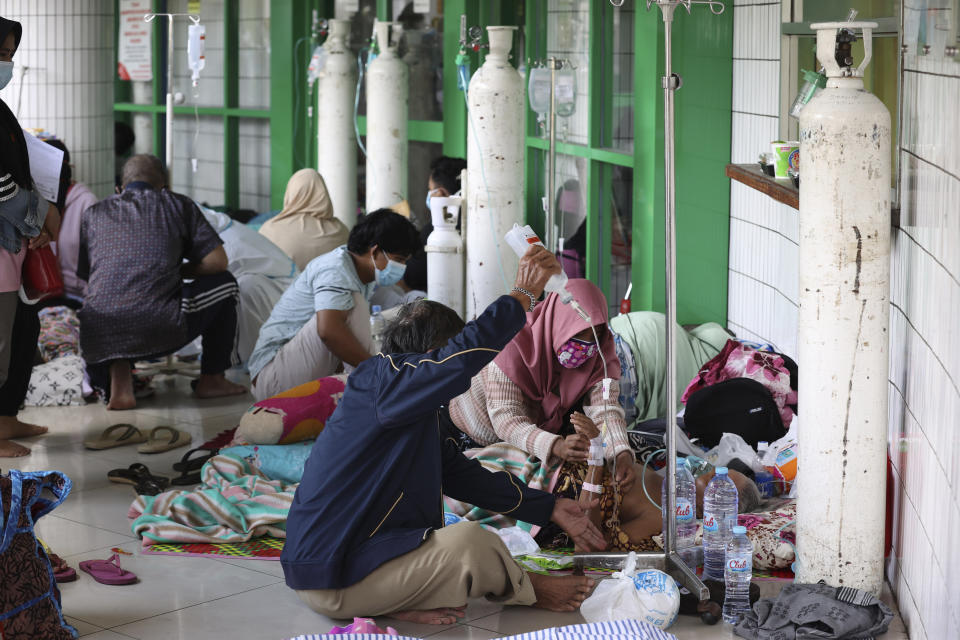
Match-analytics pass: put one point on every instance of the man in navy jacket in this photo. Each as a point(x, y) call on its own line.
point(365, 535)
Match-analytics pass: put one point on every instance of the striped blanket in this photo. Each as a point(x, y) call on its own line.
point(618, 630)
point(526, 468)
point(235, 503)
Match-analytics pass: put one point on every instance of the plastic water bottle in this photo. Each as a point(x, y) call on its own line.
point(377, 324)
point(719, 518)
point(738, 571)
point(686, 513)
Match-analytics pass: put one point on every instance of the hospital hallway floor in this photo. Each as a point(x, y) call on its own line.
point(199, 598)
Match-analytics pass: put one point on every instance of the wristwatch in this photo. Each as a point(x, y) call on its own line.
point(533, 301)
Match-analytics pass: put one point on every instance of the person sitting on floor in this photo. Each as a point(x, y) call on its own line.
point(306, 229)
point(365, 532)
point(78, 198)
point(132, 251)
point(262, 270)
point(322, 321)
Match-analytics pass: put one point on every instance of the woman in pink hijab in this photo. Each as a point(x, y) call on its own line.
point(549, 371)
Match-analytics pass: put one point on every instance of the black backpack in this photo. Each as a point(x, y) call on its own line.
point(738, 405)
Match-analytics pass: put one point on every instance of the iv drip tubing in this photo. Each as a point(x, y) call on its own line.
point(356, 101)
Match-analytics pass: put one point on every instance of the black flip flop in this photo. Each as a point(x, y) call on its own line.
point(188, 464)
point(187, 479)
point(140, 477)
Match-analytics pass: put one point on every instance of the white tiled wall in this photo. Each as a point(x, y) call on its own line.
point(925, 356)
point(762, 297)
point(255, 164)
point(67, 49)
point(924, 295)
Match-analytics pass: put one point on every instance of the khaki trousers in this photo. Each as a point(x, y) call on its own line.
point(455, 563)
point(307, 358)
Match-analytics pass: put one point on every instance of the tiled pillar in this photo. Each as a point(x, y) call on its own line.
point(67, 89)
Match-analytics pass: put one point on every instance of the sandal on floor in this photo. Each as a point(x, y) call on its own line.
point(139, 476)
point(116, 435)
point(61, 570)
point(187, 478)
point(188, 464)
point(108, 571)
point(158, 443)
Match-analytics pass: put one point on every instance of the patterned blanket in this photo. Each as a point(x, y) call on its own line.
point(526, 468)
point(235, 503)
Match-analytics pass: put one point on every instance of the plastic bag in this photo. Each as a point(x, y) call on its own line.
point(649, 596)
point(733, 446)
point(519, 541)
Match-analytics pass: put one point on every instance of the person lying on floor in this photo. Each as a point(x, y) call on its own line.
point(132, 251)
point(365, 534)
point(639, 513)
point(322, 321)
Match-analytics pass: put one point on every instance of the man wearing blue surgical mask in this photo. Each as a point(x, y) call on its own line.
point(322, 321)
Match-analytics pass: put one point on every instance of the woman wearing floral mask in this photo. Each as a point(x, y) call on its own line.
point(527, 398)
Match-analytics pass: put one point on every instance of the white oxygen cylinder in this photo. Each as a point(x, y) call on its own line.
point(445, 256)
point(336, 140)
point(387, 79)
point(843, 323)
point(495, 196)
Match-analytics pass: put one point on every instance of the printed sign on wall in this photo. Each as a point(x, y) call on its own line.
point(134, 54)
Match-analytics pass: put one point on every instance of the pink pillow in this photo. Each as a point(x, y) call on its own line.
point(292, 416)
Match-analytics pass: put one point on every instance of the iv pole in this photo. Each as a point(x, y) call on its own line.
point(168, 160)
point(669, 561)
point(169, 365)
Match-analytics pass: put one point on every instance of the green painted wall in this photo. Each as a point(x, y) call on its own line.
point(703, 56)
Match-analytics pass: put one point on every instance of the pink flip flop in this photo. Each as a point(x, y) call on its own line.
point(108, 571)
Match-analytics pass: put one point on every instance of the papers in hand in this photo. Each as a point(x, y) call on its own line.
point(46, 161)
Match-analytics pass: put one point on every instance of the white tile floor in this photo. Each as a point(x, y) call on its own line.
point(201, 598)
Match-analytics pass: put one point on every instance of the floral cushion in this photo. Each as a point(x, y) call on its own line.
point(292, 416)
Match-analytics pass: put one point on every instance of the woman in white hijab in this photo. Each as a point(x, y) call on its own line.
point(306, 227)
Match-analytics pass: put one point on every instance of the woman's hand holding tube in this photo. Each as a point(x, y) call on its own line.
point(626, 475)
point(573, 448)
point(572, 518)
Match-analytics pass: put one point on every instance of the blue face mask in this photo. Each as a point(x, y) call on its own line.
point(6, 73)
point(391, 274)
point(429, 197)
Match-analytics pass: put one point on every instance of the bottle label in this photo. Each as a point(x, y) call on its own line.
point(710, 522)
point(684, 511)
point(739, 565)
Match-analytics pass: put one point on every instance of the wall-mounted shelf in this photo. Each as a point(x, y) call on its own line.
point(780, 190)
point(752, 176)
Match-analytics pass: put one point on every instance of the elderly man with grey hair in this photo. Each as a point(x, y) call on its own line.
point(157, 277)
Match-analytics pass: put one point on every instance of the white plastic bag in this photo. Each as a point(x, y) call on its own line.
point(519, 541)
point(733, 446)
point(649, 596)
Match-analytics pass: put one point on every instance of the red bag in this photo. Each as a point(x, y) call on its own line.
point(41, 274)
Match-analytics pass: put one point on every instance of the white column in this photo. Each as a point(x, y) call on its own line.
point(495, 186)
point(143, 122)
point(67, 90)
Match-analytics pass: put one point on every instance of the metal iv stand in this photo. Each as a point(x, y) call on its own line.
point(668, 561)
point(170, 366)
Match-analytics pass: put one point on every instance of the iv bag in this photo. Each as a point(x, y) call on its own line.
point(317, 62)
point(565, 91)
point(195, 42)
point(539, 89)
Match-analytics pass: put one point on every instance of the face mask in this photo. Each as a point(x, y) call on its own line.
point(575, 352)
point(429, 195)
point(6, 73)
point(391, 274)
